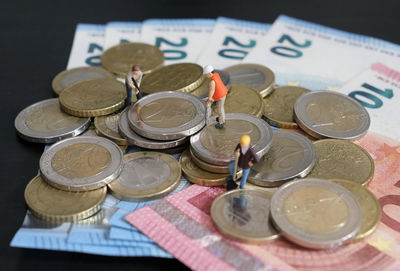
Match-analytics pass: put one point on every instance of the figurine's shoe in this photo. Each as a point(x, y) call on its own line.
point(217, 119)
point(219, 125)
point(230, 184)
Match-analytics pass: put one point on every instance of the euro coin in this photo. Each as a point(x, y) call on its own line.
point(207, 166)
point(107, 126)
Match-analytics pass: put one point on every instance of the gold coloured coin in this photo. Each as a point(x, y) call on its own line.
point(107, 126)
point(197, 175)
point(242, 99)
point(120, 59)
point(342, 159)
point(207, 166)
point(93, 97)
point(202, 90)
point(54, 205)
point(371, 209)
point(278, 107)
point(66, 78)
point(146, 175)
point(183, 77)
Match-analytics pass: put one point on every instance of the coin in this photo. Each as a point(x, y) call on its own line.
point(93, 97)
point(176, 77)
point(371, 209)
point(92, 131)
point(197, 175)
point(81, 163)
point(120, 59)
point(216, 146)
point(66, 78)
point(146, 175)
point(244, 215)
point(291, 156)
point(278, 107)
point(107, 126)
point(341, 159)
point(255, 76)
point(330, 114)
point(316, 213)
point(54, 205)
point(242, 99)
point(207, 166)
point(44, 122)
point(135, 139)
point(167, 115)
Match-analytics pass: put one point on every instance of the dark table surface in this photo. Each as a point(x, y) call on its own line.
point(36, 39)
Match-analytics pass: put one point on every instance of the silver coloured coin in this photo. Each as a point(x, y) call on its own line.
point(216, 146)
point(135, 139)
point(291, 155)
point(45, 122)
point(327, 114)
point(167, 115)
point(316, 213)
point(255, 76)
point(67, 164)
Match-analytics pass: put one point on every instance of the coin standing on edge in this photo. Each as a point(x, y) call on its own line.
point(278, 107)
point(255, 76)
point(107, 126)
point(244, 215)
point(120, 58)
point(197, 175)
point(44, 122)
point(316, 213)
point(291, 156)
point(327, 114)
point(342, 159)
point(54, 205)
point(167, 115)
point(93, 97)
point(371, 209)
point(67, 77)
point(216, 146)
point(81, 163)
point(146, 175)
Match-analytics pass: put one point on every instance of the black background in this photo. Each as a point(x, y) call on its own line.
point(35, 42)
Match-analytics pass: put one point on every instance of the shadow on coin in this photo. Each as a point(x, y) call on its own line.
point(239, 212)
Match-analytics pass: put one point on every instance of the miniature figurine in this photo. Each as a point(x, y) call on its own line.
point(132, 82)
point(245, 158)
point(217, 93)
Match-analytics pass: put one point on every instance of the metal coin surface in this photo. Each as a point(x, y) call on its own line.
point(81, 163)
point(120, 59)
point(167, 115)
point(316, 213)
point(183, 77)
point(54, 205)
point(93, 97)
point(244, 215)
point(341, 159)
point(207, 166)
point(92, 131)
point(107, 126)
point(278, 107)
point(44, 122)
point(66, 78)
point(137, 140)
point(291, 156)
point(146, 175)
point(216, 146)
point(255, 76)
point(330, 114)
point(371, 209)
point(242, 99)
point(197, 175)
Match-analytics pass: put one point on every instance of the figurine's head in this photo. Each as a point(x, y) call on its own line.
point(135, 69)
point(208, 71)
point(245, 141)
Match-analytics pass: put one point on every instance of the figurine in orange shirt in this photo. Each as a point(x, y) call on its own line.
point(217, 93)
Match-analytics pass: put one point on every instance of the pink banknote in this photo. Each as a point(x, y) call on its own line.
point(182, 225)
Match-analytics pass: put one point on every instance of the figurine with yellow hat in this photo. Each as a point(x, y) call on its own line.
point(246, 157)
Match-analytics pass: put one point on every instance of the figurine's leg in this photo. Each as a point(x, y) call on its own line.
point(139, 96)
point(231, 167)
point(221, 108)
point(245, 173)
point(128, 94)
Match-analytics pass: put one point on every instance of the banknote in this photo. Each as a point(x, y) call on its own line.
point(119, 32)
point(87, 46)
point(319, 57)
point(230, 42)
point(378, 90)
point(181, 224)
point(181, 40)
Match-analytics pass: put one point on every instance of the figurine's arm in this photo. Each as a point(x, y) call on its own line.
point(254, 159)
point(211, 91)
